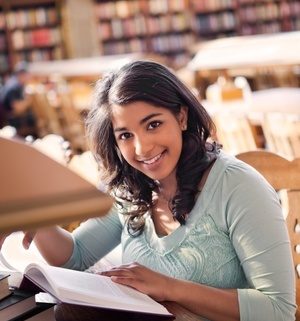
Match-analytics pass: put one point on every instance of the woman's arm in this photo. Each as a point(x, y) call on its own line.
point(55, 244)
point(79, 250)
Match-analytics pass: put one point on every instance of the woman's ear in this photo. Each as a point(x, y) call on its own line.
point(183, 117)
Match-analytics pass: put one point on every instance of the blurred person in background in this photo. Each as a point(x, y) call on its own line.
point(15, 104)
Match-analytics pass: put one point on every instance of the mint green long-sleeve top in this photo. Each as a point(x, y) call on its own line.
point(235, 237)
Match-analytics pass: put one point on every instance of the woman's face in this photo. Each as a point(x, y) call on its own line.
point(149, 137)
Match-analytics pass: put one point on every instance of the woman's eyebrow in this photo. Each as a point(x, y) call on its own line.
point(149, 117)
point(142, 121)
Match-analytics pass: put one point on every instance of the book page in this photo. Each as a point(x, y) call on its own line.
point(83, 288)
point(14, 258)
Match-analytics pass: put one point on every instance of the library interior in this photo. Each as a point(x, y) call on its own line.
point(239, 58)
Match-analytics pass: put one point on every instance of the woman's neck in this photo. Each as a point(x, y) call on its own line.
point(167, 188)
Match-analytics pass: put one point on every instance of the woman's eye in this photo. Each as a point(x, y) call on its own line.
point(154, 124)
point(124, 136)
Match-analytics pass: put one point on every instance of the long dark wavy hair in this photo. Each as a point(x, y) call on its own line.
point(155, 84)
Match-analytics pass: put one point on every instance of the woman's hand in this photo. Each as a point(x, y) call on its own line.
point(27, 239)
point(154, 284)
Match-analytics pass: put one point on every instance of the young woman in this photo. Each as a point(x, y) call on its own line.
point(197, 226)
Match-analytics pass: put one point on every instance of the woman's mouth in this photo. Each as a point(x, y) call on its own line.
point(152, 160)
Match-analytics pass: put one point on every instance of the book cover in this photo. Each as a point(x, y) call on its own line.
point(20, 305)
point(93, 290)
point(38, 191)
point(4, 286)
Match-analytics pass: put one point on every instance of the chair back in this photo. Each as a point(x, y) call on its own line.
point(234, 132)
point(284, 176)
point(282, 133)
point(74, 122)
point(46, 115)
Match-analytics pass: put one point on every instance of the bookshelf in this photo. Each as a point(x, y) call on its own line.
point(29, 30)
point(151, 26)
point(215, 18)
point(221, 18)
point(3, 43)
point(261, 17)
point(170, 27)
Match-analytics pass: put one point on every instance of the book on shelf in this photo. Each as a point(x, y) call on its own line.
point(93, 290)
point(4, 286)
point(38, 191)
point(24, 303)
point(17, 304)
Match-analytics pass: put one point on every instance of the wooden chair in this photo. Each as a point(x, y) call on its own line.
point(282, 133)
point(234, 132)
point(47, 117)
point(284, 176)
point(74, 124)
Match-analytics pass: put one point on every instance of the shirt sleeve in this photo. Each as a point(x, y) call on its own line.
point(259, 235)
point(93, 239)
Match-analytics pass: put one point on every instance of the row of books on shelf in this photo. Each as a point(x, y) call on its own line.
point(212, 5)
point(3, 63)
point(269, 11)
point(271, 27)
point(176, 23)
point(2, 21)
point(215, 22)
point(171, 43)
point(121, 9)
point(141, 26)
point(254, 2)
point(43, 54)
point(162, 7)
point(125, 46)
point(38, 37)
point(3, 44)
point(117, 28)
point(31, 17)
point(125, 9)
point(159, 44)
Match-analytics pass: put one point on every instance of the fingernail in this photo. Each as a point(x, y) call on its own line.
point(27, 244)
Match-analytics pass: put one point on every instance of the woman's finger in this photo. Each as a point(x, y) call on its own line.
point(125, 281)
point(27, 239)
point(116, 272)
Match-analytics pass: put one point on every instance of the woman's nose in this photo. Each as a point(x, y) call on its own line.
point(143, 146)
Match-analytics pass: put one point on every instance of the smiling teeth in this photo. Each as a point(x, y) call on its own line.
point(152, 160)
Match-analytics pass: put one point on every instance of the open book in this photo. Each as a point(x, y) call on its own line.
point(94, 290)
point(36, 190)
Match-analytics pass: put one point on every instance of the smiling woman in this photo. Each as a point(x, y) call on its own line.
point(203, 229)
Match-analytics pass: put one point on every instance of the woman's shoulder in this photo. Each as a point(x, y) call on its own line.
point(228, 173)
point(230, 165)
